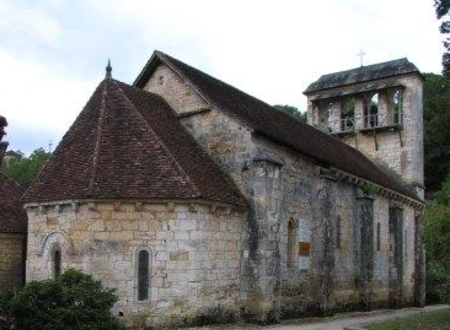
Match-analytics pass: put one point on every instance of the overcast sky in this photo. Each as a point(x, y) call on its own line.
point(53, 52)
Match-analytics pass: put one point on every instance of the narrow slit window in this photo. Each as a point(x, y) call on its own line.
point(378, 236)
point(143, 275)
point(338, 232)
point(406, 243)
point(292, 244)
point(56, 261)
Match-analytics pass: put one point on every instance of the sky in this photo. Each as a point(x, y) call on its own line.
point(53, 53)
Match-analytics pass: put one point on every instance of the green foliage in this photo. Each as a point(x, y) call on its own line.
point(436, 237)
point(369, 189)
point(436, 320)
point(72, 301)
point(292, 111)
point(442, 12)
point(5, 310)
point(25, 170)
point(437, 233)
point(438, 289)
point(436, 115)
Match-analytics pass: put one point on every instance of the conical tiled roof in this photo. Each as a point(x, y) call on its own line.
point(128, 144)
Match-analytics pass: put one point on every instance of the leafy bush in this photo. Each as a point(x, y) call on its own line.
point(437, 241)
point(5, 310)
point(71, 301)
point(438, 284)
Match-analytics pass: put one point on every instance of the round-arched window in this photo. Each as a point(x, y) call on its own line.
point(143, 269)
point(56, 261)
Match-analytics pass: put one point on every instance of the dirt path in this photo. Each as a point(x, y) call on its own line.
point(338, 322)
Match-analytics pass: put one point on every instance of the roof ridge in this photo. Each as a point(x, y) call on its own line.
point(167, 60)
point(166, 150)
point(168, 57)
point(98, 142)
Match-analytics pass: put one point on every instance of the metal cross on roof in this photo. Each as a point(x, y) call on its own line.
point(361, 56)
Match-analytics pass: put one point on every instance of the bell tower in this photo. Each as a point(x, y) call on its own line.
point(376, 109)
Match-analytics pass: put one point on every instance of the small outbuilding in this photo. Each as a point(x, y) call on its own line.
point(13, 233)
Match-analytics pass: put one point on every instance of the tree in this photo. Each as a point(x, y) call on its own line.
point(442, 12)
point(72, 301)
point(25, 170)
point(436, 238)
point(436, 115)
point(292, 111)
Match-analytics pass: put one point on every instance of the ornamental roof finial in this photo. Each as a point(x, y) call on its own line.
point(108, 69)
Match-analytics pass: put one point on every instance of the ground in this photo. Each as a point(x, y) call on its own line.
point(437, 320)
point(338, 322)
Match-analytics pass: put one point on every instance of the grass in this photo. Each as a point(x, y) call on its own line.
point(437, 320)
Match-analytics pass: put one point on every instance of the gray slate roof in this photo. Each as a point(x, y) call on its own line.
point(363, 74)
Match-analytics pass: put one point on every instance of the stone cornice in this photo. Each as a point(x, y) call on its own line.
point(215, 207)
point(338, 175)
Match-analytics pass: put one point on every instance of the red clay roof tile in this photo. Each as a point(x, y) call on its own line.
point(13, 218)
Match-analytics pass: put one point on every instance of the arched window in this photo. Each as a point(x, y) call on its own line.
point(56, 261)
point(397, 102)
point(348, 115)
point(143, 275)
point(371, 112)
point(292, 244)
point(325, 115)
point(338, 232)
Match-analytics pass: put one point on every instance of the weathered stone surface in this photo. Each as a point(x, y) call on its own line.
point(12, 263)
point(294, 195)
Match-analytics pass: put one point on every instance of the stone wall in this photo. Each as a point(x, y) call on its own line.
point(296, 291)
point(12, 261)
point(354, 274)
point(179, 94)
point(195, 256)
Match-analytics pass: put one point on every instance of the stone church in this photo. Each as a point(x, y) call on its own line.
point(200, 203)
